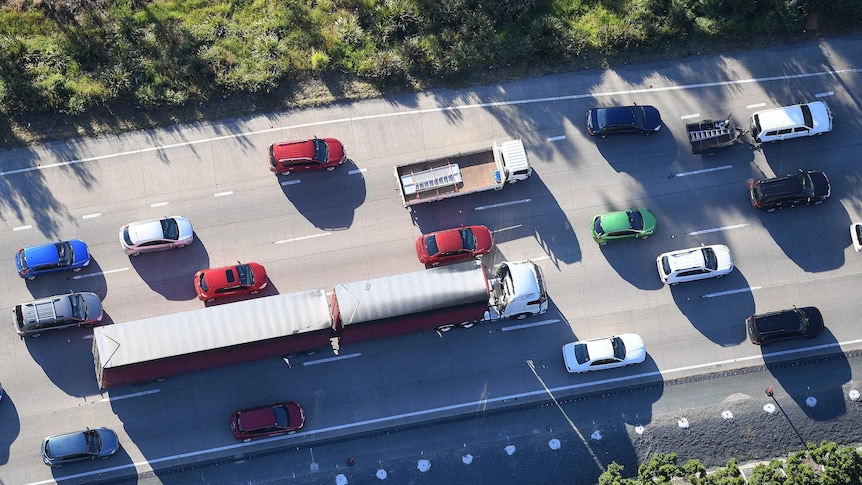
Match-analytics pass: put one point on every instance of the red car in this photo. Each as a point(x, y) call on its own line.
point(301, 156)
point(269, 420)
point(453, 245)
point(242, 279)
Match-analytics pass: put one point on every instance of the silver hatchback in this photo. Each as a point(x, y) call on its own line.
point(156, 235)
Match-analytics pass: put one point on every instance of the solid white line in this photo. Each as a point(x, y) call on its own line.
point(823, 95)
point(290, 182)
point(717, 229)
point(557, 138)
point(21, 228)
point(502, 204)
point(360, 170)
point(159, 204)
point(222, 194)
point(90, 275)
point(303, 238)
point(685, 117)
point(331, 359)
point(757, 105)
point(127, 396)
point(507, 228)
point(442, 109)
point(731, 292)
point(528, 325)
point(91, 216)
point(473, 405)
point(705, 170)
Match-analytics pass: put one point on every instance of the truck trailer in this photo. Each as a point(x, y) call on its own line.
point(441, 298)
point(462, 173)
point(161, 347)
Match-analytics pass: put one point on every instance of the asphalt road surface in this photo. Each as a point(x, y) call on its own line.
point(319, 229)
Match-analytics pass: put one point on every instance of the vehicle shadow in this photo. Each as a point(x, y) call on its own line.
point(11, 426)
point(626, 153)
point(170, 273)
point(90, 278)
point(66, 357)
point(328, 200)
point(812, 237)
point(815, 383)
point(633, 260)
point(717, 307)
point(523, 210)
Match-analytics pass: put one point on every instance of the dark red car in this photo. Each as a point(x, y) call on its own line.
point(453, 245)
point(300, 156)
point(269, 420)
point(242, 279)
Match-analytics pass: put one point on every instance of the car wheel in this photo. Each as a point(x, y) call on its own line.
point(602, 243)
point(160, 380)
point(468, 324)
point(291, 432)
point(645, 237)
point(31, 278)
point(674, 284)
point(76, 270)
point(445, 328)
point(181, 246)
point(330, 169)
point(817, 202)
point(246, 440)
point(135, 254)
point(435, 264)
point(771, 210)
point(35, 335)
point(210, 300)
point(521, 316)
point(254, 292)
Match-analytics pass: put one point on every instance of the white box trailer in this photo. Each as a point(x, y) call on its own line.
point(160, 347)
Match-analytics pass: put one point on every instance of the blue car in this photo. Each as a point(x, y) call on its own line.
point(49, 258)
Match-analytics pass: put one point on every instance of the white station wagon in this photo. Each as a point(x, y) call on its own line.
point(694, 264)
point(795, 121)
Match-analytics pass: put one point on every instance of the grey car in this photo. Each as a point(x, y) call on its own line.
point(80, 445)
point(54, 312)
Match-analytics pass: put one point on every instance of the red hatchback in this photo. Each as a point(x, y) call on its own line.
point(301, 156)
point(242, 279)
point(453, 245)
point(269, 420)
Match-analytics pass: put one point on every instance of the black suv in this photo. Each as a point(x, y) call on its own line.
point(794, 323)
point(810, 187)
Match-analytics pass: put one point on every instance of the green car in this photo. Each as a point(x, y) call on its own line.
point(629, 224)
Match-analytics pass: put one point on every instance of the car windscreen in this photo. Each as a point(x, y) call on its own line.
point(636, 220)
point(79, 307)
point(709, 259)
point(468, 239)
point(246, 275)
point(321, 151)
point(806, 116)
point(582, 355)
point(170, 229)
point(65, 255)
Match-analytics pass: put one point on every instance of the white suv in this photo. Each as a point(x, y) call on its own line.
point(776, 124)
point(694, 264)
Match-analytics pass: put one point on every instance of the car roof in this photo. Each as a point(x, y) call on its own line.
point(67, 444)
point(449, 240)
point(42, 255)
point(777, 118)
point(615, 221)
point(294, 150)
point(146, 230)
point(600, 349)
point(257, 418)
point(686, 258)
point(218, 277)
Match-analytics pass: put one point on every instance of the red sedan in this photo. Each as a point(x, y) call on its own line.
point(269, 420)
point(242, 279)
point(453, 245)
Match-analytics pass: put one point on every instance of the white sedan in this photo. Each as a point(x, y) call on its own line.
point(604, 353)
point(156, 235)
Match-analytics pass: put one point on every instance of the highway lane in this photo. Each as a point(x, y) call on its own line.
point(241, 211)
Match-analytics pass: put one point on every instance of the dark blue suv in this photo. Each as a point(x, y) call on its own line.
point(49, 258)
